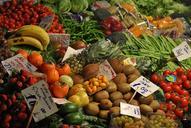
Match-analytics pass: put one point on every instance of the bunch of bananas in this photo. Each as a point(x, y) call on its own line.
point(31, 35)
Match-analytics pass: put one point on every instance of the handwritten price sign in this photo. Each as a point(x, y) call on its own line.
point(182, 51)
point(130, 110)
point(40, 93)
point(143, 86)
point(17, 63)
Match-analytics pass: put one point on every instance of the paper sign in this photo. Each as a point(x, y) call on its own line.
point(130, 61)
point(182, 51)
point(46, 22)
point(143, 86)
point(60, 38)
point(70, 52)
point(40, 93)
point(17, 63)
point(60, 100)
point(130, 110)
point(106, 70)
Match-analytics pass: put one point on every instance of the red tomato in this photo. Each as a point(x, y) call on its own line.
point(167, 95)
point(166, 72)
point(186, 109)
point(186, 84)
point(189, 75)
point(155, 78)
point(183, 77)
point(183, 102)
point(179, 112)
point(167, 88)
point(176, 99)
point(180, 71)
point(176, 88)
point(163, 84)
point(174, 73)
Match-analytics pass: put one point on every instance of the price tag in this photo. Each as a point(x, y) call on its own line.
point(130, 110)
point(182, 51)
point(106, 70)
point(143, 86)
point(40, 93)
point(70, 52)
point(60, 38)
point(17, 63)
point(46, 22)
point(60, 100)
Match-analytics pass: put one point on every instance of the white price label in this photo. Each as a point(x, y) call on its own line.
point(60, 100)
point(60, 38)
point(106, 70)
point(46, 22)
point(130, 110)
point(143, 86)
point(40, 93)
point(17, 63)
point(70, 52)
point(182, 51)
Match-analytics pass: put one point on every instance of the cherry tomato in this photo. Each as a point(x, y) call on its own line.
point(166, 72)
point(174, 73)
point(178, 81)
point(167, 96)
point(176, 88)
point(189, 75)
point(155, 78)
point(183, 77)
point(167, 88)
point(186, 84)
point(176, 99)
point(163, 84)
point(180, 71)
point(183, 102)
point(179, 112)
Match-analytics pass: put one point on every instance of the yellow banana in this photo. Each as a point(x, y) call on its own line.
point(34, 31)
point(25, 40)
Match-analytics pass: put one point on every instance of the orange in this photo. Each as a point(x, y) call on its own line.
point(23, 52)
point(36, 59)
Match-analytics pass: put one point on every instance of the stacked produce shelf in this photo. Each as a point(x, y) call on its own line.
point(95, 64)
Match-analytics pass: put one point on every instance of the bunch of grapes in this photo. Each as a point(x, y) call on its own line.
point(161, 121)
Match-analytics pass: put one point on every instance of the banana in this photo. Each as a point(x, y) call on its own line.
point(25, 40)
point(35, 32)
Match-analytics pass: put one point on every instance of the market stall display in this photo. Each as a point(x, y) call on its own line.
point(95, 64)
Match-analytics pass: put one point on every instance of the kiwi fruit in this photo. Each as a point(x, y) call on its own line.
point(101, 95)
point(120, 78)
point(90, 70)
point(127, 96)
point(104, 114)
point(155, 105)
point(112, 87)
point(146, 100)
point(134, 102)
point(132, 77)
point(128, 69)
point(124, 87)
point(117, 102)
point(116, 65)
point(91, 109)
point(146, 109)
point(105, 104)
point(116, 95)
point(114, 111)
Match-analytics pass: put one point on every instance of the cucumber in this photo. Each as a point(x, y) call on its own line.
point(68, 108)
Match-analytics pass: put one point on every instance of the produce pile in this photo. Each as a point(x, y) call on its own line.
point(95, 64)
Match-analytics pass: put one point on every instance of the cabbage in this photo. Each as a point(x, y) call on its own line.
point(64, 6)
point(65, 79)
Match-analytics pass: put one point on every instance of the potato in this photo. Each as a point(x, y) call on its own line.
point(155, 105)
point(127, 96)
point(132, 78)
point(128, 69)
point(90, 70)
point(104, 114)
point(117, 65)
point(101, 95)
point(117, 102)
point(146, 109)
point(116, 95)
point(105, 104)
point(146, 100)
point(120, 78)
point(134, 102)
point(91, 109)
point(78, 79)
point(112, 87)
point(115, 111)
point(124, 87)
